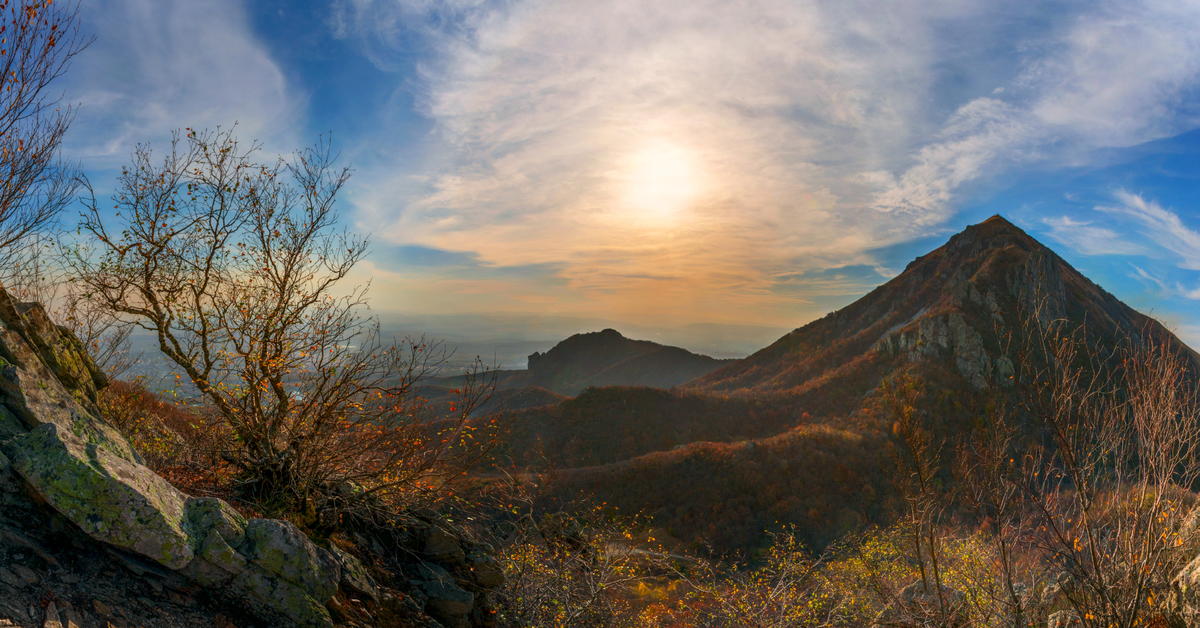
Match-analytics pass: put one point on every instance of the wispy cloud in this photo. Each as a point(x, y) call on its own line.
point(1089, 239)
point(158, 65)
point(1161, 226)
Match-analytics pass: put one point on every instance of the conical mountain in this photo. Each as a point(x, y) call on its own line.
point(959, 304)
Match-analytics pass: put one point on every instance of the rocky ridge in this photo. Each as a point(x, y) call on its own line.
point(79, 507)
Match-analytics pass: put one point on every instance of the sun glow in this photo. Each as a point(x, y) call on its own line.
point(658, 182)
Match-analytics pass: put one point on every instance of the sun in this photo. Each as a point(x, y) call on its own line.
point(658, 182)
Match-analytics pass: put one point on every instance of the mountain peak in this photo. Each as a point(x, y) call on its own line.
point(951, 305)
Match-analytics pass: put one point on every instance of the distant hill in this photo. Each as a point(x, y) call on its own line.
point(606, 358)
point(603, 358)
point(721, 450)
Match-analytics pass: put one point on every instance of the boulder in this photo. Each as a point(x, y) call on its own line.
point(355, 578)
point(46, 375)
point(281, 549)
point(918, 604)
point(1064, 619)
point(445, 600)
point(484, 571)
point(272, 596)
point(110, 497)
point(1184, 600)
point(441, 545)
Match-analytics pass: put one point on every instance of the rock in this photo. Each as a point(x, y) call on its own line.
point(111, 498)
point(25, 574)
point(60, 350)
point(972, 360)
point(484, 572)
point(276, 570)
point(20, 539)
point(1005, 371)
point(205, 572)
point(933, 334)
point(1064, 619)
point(1184, 599)
point(355, 578)
point(443, 546)
point(268, 595)
point(46, 375)
point(11, 579)
point(1054, 596)
point(281, 549)
point(56, 454)
point(52, 618)
point(208, 513)
point(447, 603)
point(918, 603)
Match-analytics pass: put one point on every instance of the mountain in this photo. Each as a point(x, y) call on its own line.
point(796, 432)
point(606, 358)
point(603, 358)
point(956, 303)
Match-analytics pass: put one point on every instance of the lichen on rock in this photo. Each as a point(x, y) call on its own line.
point(109, 497)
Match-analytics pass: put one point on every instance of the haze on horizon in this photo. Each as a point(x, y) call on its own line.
point(677, 162)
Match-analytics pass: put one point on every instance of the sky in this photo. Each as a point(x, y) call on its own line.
point(682, 162)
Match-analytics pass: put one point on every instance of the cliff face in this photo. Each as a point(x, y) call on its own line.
point(61, 467)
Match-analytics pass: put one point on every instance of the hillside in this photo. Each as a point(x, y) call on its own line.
point(710, 446)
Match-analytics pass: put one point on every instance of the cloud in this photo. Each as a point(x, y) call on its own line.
point(1126, 73)
point(1121, 75)
point(1161, 226)
point(1089, 239)
point(1146, 278)
point(158, 65)
point(731, 148)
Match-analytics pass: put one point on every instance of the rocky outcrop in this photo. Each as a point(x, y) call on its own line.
point(933, 335)
point(55, 449)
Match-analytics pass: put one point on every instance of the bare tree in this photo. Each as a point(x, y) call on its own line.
point(989, 475)
point(918, 461)
point(38, 40)
point(235, 266)
point(1108, 490)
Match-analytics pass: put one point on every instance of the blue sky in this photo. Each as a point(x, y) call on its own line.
point(687, 161)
